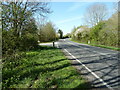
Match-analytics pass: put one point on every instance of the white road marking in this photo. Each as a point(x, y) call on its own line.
point(104, 83)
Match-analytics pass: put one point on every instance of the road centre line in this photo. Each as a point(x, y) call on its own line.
point(104, 83)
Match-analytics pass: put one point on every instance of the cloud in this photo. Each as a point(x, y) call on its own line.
point(69, 20)
point(74, 7)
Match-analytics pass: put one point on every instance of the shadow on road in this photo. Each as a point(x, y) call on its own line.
point(105, 66)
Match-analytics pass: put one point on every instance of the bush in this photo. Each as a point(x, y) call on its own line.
point(104, 33)
point(47, 33)
point(13, 44)
point(94, 32)
point(28, 42)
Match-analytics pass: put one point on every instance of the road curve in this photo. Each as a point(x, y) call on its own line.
point(99, 65)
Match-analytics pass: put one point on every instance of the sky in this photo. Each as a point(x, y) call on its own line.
point(67, 15)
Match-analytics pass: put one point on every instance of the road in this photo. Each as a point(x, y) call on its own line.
point(99, 65)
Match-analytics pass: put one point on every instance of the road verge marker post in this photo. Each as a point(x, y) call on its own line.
point(53, 43)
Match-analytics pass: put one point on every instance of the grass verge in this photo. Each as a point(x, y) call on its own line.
point(102, 46)
point(42, 68)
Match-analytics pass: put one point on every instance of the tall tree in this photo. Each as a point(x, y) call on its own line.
point(16, 14)
point(18, 23)
point(47, 32)
point(95, 13)
point(61, 33)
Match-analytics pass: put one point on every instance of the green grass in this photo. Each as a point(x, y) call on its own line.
point(108, 47)
point(102, 46)
point(42, 68)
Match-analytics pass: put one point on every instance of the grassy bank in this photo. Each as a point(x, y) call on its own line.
point(46, 68)
point(102, 46)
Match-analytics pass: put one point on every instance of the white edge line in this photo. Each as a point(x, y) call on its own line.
point(108, 86)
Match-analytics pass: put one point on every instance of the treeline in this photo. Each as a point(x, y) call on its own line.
point(104, 32)
point(20, 34)
point(19, 29)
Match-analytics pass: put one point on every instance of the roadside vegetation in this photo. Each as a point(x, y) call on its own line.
point(28, 65)
point(47, 32)
point(25, 63)
point(102, 46)
point(102, 32)
point(19, 29)
point(45, 67)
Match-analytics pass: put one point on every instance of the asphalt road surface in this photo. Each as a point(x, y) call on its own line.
point(99, 65)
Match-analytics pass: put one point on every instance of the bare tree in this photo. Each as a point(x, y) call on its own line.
point(95, 13)
point(116, 7)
